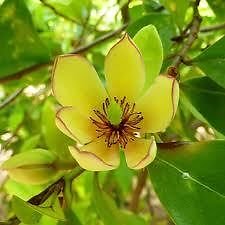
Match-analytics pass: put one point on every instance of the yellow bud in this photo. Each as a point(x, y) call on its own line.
point(31, 167)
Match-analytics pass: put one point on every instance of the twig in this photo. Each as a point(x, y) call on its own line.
point(11, 98)
point(24, 72)
point(191, 37)
point(59, 13)
point(213, 28)
point(138, 190)
point(125, 12)
point(216, 27)
point(99, 40)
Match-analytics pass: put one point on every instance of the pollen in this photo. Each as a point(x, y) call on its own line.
point(123, 132)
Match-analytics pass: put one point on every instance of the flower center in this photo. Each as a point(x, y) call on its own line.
point(117, 122)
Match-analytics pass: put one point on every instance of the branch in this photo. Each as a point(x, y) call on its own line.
point(192, 35)
point(213, 28)
point(11, 98)
point(59, 13)
point(24, 72)
point(138, 190)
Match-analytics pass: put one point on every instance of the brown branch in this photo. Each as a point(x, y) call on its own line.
point(24, 72)
point(59, 13)
point(192, 35)
point(138, 190)
point(213, 28)
point(11, 98)
point(125, 12)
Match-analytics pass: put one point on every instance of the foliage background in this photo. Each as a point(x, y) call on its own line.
point(190, 181)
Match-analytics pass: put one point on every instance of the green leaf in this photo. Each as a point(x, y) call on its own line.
point(132, 219)
point(207, 101)
point(30, 143)
point(19, 42)
point(178, 9)
point(212, 62)
point(104, 205)
point(24, 211)
point(108, 211)
point(218, 7)
point(51, 208)
point(188, 178)
point(70, 216)
point(73, 9)
point(30, 214)
point(163, 24)
point(55, 140)
point(23, 191)
point(148, 41)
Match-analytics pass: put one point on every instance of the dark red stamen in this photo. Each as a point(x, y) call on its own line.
point(124, 132)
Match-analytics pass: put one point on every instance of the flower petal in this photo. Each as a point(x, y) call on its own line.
point(140, 153)
point(96, 156)
point(124, 70)
point(159, 104)
point(75, 125)
point(75, 82)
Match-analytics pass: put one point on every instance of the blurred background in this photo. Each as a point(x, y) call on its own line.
point(33, 32)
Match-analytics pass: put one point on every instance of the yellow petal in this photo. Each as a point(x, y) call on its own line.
point(124, 70)
point(159, 104)
point(76, 83)
point(75, 125)
point(96, 156)
point(140, 153)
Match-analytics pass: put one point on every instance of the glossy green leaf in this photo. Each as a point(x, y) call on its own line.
point(212, 62)
point(206, 100)
point(24, 211)
point(163, 24)
point(19, 43)
point(30, 214)
point(188, 180)
point(178, 9)
point(150, 46)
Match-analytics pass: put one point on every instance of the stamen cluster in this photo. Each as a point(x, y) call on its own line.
point(125, 131)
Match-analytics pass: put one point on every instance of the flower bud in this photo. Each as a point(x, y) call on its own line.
point(31, 167)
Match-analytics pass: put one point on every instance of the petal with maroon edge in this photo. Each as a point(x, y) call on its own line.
point(96, 156)
point(124, 70)
point(75, 125)
point(76, 83)
point(140, 153)
point(159, 104)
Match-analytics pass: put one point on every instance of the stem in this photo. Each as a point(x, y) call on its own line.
point(138, 190)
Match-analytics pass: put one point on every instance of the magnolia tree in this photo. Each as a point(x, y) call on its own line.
point(112, 112)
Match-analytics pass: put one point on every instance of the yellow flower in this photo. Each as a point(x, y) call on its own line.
point(104, 120)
